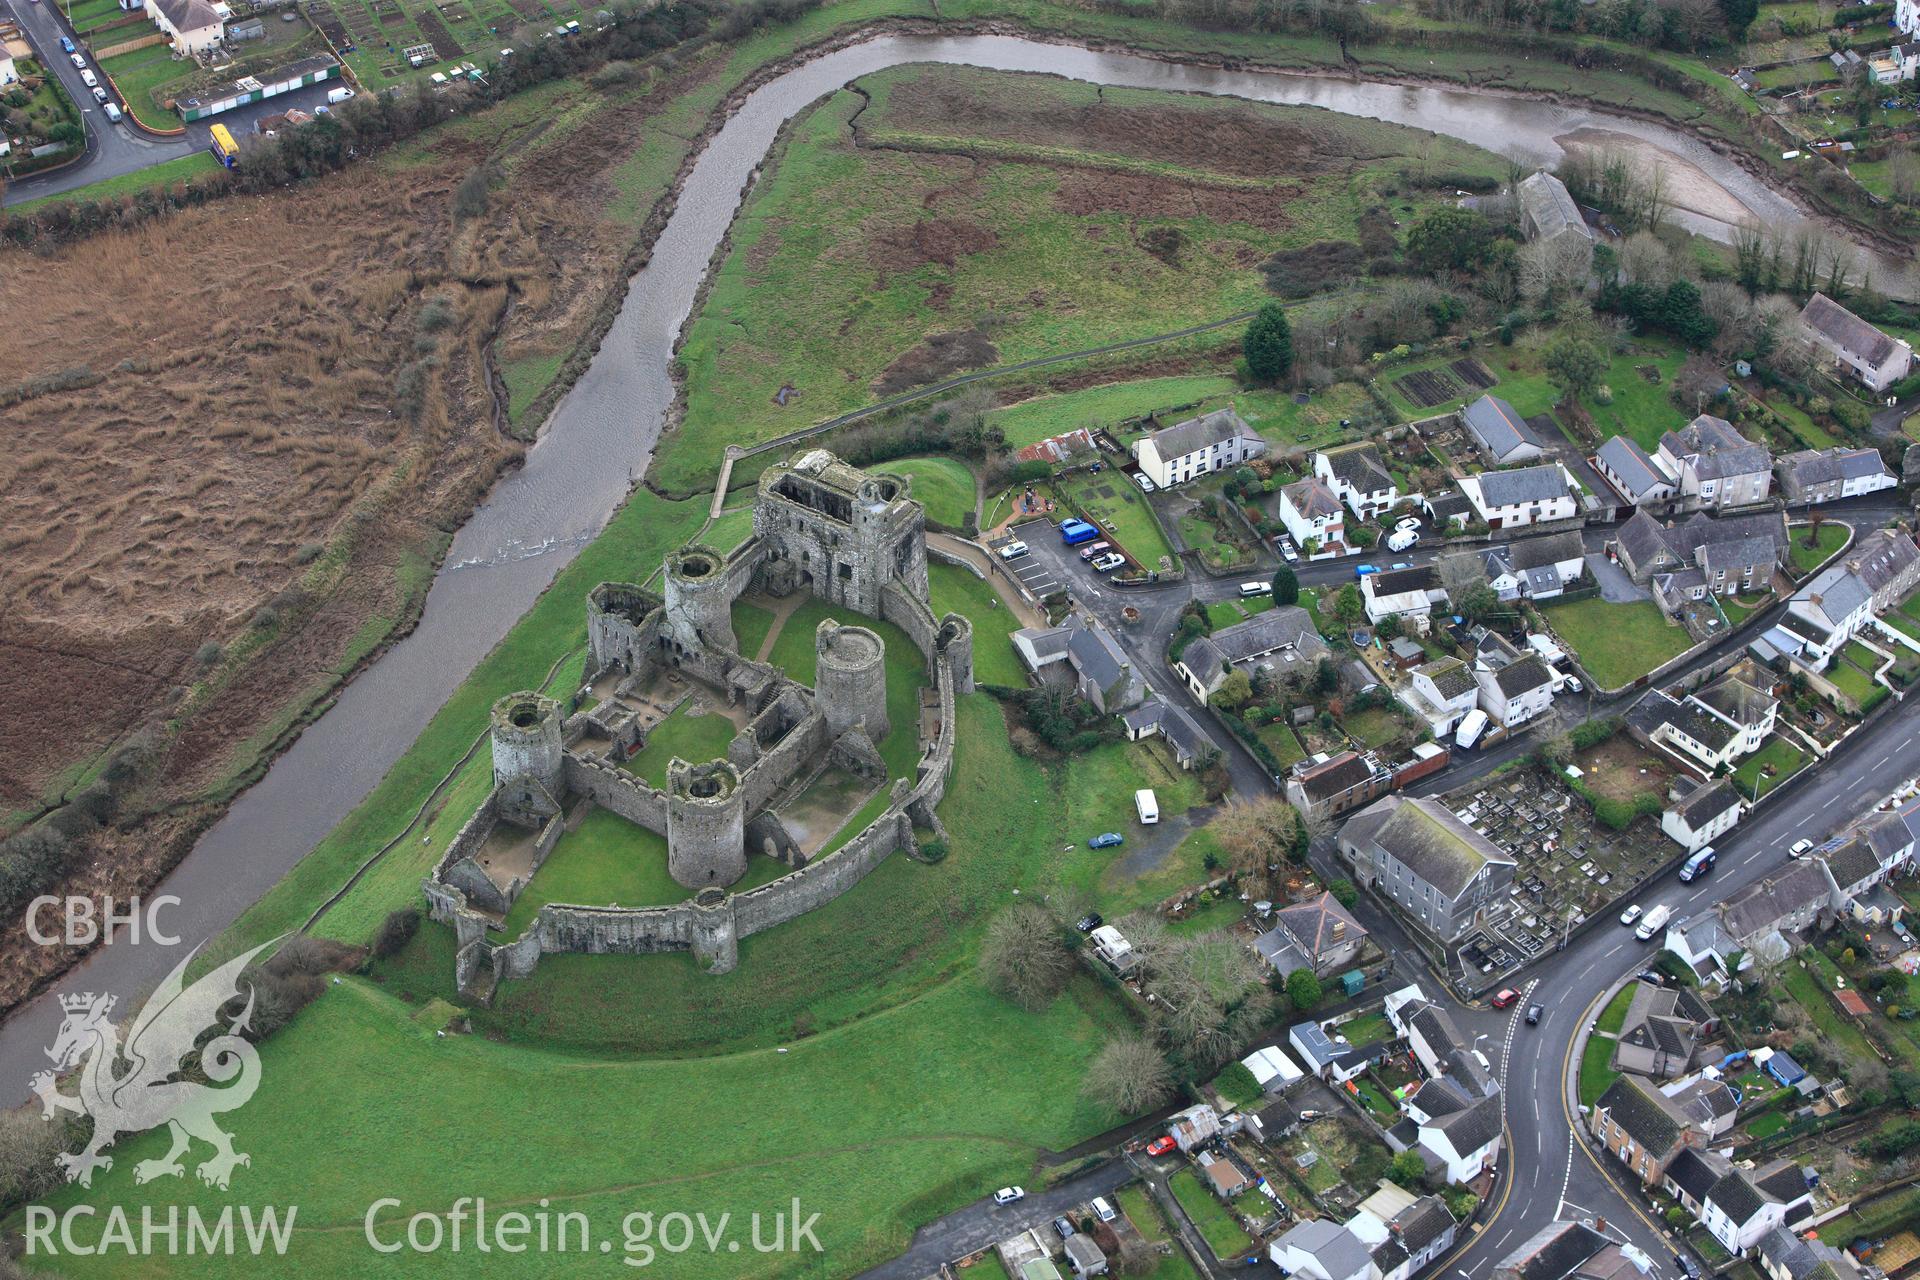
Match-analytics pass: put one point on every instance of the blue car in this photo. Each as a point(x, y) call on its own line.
point(1074, 531)
point(1107, 841)
point(1362, 570)
point(66, 44)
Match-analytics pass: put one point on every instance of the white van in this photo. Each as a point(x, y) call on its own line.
point(113, 112)
point(1653, 922)
point(1147, 807)
point(337, 96)
point(1401, 539)
point(1250, 589)
point(1471, 728)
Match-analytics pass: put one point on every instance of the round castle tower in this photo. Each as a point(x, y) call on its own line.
point(954, 644)
point(706, 824)
point(526, 738)
point(850, 682)
point(699, 600)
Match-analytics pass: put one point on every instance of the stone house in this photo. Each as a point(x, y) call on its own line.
point(1549, 217)
point(1500, 432)
point(1641, 1127)
point(1827, 475)
point(1419, 854)
point(1359, 476)
point(1083, 654)
point(1313, 516)
point(1723, 556)
point(1282, 640)
point(1830, 609)
point(1872, 357)
point(1212, 442)
point(1715, 466)
point(1637, 475)
point(1522, 497)
point(1320, 935)
point(1337, 784)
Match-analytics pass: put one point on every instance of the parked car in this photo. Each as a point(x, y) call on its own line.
point(1160, 1146)
point(1533, 1015)
point(1505, 999)
point(1362, 570)
point(66, 44)
point(113, 113)
point(1109, 562)
point(1573, 683)
point(1146, 485)
point(1013, 550)
point(1007, 1195)
point(1064, 1226)
point(1104, 1211)
point(1801, 848)
point(1631, 915)
point(1105, 840)
point(89, 79)
point(78, 61)
point(1093, 549)
point(1407, 522)
point(1402, 539)
point(1074, 531)
point(1089, 922)
point(1398, 565)
point(1688, 1267)
point(1287, 552)
point(99, 95)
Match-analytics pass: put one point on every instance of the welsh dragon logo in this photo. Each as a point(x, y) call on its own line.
point(148, 1092)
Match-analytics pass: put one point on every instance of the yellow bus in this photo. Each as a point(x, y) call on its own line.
point(225, 149)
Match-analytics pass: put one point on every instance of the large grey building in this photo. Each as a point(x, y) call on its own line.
point(1433, 866)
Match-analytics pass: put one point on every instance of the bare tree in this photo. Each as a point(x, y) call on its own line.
point(1024, 960)
point(1645, 259)
point(1256, 838)
point(1204, 984)
point(1129, 1075)
point(1903, 176)
point(1318, 824)
point(1461, 571)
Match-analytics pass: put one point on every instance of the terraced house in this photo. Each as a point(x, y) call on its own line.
point(1419, 854)
point(1825, 475)
point(1706, 555)
point(1643, 1128)
point(1515, 499)
point(1832, 608)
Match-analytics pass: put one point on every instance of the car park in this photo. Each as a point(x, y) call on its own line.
point(1089, 922)
point(1506, 998)
point(1093, 549)
point(1013, 550)
point(1534, 1012)
point(1631, 915)
point(1105, 840)
point(1160, 1146)
point(1109, 562)
point(1801, 848)
point(1007, 1195)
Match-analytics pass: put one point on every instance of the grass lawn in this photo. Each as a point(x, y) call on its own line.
point(1738, 611)
point(1109, 498)
point(1374, 727)
point(1836, 1029)
point(954, 590)
point(1617, 643)
point(1215, 1223)
point(1806, 559)
point(1779, 755)
point(1283, 742)
point(1855, 683)
point(1043, 417)
point(750, 626)
point(1224, 613)
point(693, 738)
point(847, 261)
point(730, 530)
point(1596, 1068)
point(1147, 1219)
point(1206, 537)
point(1614, 1016)
point(145, 79)
point(1097, 787)
point(1368, 1029)
point(164, 174)
point(794, 653)
point(1766, 1125)
point(944, 486)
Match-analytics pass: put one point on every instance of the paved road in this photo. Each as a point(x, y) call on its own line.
point(112, 149)
point(984, 1223)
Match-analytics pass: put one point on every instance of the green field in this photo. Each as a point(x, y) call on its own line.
point(945, 486)
point(1596, 1069)
point(1617, 643)
point(1779, 754)
point(683, 734)
point(1805, 558)
point(845, 259)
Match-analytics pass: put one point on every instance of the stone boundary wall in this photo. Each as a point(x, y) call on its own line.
point(620, 791)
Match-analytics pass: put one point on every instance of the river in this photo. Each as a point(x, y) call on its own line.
point(600, 439)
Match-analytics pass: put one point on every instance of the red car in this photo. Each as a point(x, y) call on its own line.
point(1506, 998)
point(1160, 1146)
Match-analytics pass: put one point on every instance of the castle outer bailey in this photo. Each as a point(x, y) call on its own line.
point(819, 525)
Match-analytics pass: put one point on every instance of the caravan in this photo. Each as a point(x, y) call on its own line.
point(1147, 806)
point(1471, 728)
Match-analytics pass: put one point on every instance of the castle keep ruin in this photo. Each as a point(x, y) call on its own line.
point(820, 525)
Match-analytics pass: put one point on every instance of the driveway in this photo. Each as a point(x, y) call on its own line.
point(1615, 586)
point(983, 1223)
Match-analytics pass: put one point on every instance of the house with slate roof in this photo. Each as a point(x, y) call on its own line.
point(1441, 693)
point(1420, 855)
point(1313, 516)
point(1787, 1255)
point(1637, 475)
point(1402, 593)
point(1567, 1250)
point(1703, 815)
point(1832, 607)
point(1155, 718)
point(1641, 1127)
point(1549, 215)
point(1320, 935)
point(1337, 784)
point(1521, 497)
point(1535, 568)
point(1083, 653)
point(1664, 1031)
point(1282, 640)
point(1711, 728)
point(1500, 432)
point(1714, 465)
point(1875, 359)
point(1742, 1207)
point(1212, 442)
point(1827, 475)
point(1359, 477)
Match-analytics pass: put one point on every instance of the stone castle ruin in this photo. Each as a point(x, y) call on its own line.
point(820, 525)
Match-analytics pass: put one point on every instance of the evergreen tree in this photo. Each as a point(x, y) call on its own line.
point(1268, 345)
